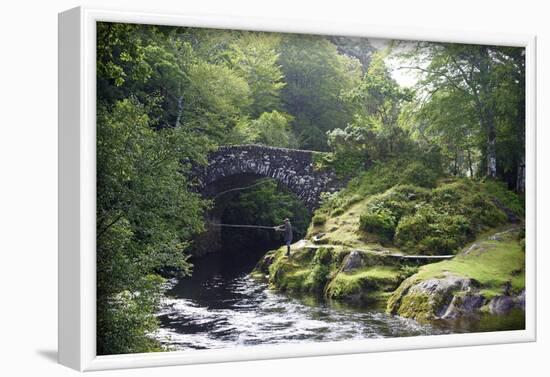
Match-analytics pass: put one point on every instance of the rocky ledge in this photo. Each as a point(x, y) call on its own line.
point(484, 277)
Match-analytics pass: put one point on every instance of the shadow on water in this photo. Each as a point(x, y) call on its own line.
point(212, 283)
point(514, 320)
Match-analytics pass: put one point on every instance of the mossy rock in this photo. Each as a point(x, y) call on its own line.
point(427, 299)
point(307, 270)
point(365, 284)
point(490, 269)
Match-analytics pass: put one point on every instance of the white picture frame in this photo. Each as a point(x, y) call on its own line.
point(77, 190)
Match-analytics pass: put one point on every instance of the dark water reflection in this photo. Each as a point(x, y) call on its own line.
point(220, 306)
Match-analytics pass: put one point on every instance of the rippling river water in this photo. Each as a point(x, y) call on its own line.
point(220, 306)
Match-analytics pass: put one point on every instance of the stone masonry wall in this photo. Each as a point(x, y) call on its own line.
point(294, 168)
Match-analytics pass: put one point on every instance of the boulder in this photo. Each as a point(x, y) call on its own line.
point(502, 305)
point(352, 261)
point(264, 263)
point(461, 306)
point(520, 300)
point(433, 298)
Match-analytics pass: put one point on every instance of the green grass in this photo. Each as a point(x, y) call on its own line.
point(509, 199)
point(493, 265)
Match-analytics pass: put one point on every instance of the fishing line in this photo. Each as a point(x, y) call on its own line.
point(242, 188)
point(239, 225)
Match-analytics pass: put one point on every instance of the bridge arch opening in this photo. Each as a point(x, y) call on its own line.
point(250, 199)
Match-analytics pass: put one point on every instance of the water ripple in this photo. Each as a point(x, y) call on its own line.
point(241, 311)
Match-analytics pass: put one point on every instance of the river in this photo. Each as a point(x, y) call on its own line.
point(220, 306)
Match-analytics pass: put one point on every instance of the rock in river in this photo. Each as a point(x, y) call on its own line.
point(434, 298)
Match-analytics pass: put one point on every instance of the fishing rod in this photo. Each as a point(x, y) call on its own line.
point(243, 226)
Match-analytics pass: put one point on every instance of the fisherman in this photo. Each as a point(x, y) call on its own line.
point(286, 228)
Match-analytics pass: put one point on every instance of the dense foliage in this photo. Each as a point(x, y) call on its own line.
point(145, 219)
point(437, 221)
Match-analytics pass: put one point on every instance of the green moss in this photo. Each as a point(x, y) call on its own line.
point(493, 265)
point(303, 272)
point(367, 283)
point(417, 306)
point(255, 274)
point(286, 275)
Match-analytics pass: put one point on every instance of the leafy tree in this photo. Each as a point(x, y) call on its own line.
point(457, 134)
point(359, 48)
point(218, 97)
point(254, 57)
point(145, 220)
point(271, 129)
point(482, 76)
point(374, 132)
point(510, 110)
point(120, 59)
point(315, 75)
point(377, 101)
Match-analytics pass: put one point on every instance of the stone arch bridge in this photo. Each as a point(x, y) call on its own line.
point(231, 166)
point(239, 166)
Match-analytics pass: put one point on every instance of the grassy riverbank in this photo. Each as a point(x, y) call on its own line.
point(355, 245)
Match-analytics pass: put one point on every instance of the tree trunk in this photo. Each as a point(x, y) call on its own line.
point(180, 111)
point(486, 104)
point(491, 145)
point(455, 172)
point(470, 168)
point(520, 181)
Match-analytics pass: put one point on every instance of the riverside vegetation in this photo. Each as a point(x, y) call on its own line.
point(352, 249)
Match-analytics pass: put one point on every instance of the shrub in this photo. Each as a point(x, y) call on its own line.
point(406, 271)
point(384, 211)
point(411, 230)
point(337, 212)
point(418, 174)
point(319, 219)
point(429, 231)
point(451, 216)
point(381, 223)
point(467, 198)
